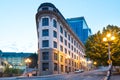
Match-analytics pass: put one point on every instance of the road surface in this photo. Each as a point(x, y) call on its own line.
point(87, 75)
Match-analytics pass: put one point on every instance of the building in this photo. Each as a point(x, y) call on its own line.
point(16, 60)
point(80, 27)
point(59, 49)
point(3, 64)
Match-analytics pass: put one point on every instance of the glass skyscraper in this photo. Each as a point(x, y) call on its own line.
point(80, 28)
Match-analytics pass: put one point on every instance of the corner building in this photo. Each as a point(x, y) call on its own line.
point(59, 49)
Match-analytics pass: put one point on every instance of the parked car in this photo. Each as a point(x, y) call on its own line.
point(79, 71)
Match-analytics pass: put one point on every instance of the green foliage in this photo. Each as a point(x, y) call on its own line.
point(97, 49)
point(11, 72)
point(34, 59)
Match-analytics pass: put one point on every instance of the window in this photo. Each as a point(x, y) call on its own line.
point(68, 37)
point(55, 44)
point(69, 52)
point(45, 8)
point(55, 66)
point(45, 66)
point(66, 69)
point(69, 45)
point(66, 42)
point(61, 38)
point(61, 48)
point(72, 55)
point(45, 32)
point(54, 23)
point(72, 63)
point(45, 55)
point(74, 42)
point(61, 29)
point(55, 56)
point(71, 40)
point(75, 64)
point(72, 47)
point(66, 34)
point(45, 43)
point(69, 69)
point(54, 10)
point(61, 58)
point(45, 21)
point(2, 63)
point(55, 34)
point(61, 68)
point(65, 51)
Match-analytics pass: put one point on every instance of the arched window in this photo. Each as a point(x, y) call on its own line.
point(54, 23)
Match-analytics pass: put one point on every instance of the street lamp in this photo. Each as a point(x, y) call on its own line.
point(95, 64)
point(108, 39)
point(27, 61)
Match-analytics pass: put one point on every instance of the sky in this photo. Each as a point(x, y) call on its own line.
point(18, 26)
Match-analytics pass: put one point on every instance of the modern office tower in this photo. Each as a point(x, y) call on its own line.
point(80, 27)
point(59, 49)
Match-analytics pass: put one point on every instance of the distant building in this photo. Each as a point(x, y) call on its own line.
point(17, 60)
point(80, 28)
point(59, 49)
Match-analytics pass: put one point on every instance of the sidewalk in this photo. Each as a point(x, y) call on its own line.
point(115, 76)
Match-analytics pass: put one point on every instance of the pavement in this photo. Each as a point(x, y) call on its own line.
point(115, 76)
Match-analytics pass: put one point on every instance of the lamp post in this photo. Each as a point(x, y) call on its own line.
point(108, 39)
point(27, 61)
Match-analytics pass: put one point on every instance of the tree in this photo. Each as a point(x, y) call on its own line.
point(34, 59)
point(97, 50)
point(8, 72)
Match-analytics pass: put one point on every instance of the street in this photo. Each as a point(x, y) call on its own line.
point(87, 75)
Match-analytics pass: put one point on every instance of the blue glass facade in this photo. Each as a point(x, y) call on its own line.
point(80, 28)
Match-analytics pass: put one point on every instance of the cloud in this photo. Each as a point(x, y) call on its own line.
point(18, 46)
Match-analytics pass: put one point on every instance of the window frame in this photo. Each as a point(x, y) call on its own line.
point(45, 43)
point(45, 21)
point(54, 34)
point(45, 32)
point(54, 44)
point(54, 23)
point(44, 67)
point(45, 56)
